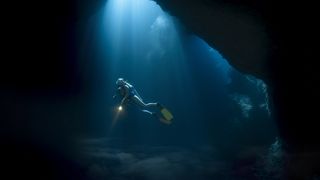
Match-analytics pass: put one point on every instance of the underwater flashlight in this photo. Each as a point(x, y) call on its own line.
point(120, 108)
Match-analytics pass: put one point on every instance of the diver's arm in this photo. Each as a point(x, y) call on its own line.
point(126, 96)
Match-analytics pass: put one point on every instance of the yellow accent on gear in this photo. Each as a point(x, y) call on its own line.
point(166, 114)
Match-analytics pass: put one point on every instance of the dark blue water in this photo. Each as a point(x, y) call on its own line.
point(222, 120)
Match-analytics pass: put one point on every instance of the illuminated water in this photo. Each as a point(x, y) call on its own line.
point(220, 115)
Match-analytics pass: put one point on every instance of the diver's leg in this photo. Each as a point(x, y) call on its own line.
point(139, 101)
point(149, 112)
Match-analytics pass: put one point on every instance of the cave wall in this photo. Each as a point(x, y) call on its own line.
point(241, 37)
point(273, 41)
point(269, 40)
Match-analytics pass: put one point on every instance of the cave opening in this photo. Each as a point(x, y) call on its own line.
point(217, 110)
point(140, 42)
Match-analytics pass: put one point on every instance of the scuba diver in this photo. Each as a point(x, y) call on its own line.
point(129, 94)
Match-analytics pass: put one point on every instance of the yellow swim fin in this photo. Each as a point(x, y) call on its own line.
point(166, 114)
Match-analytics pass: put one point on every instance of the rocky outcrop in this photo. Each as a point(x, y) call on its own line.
point(269, 40)
point(238, 32)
